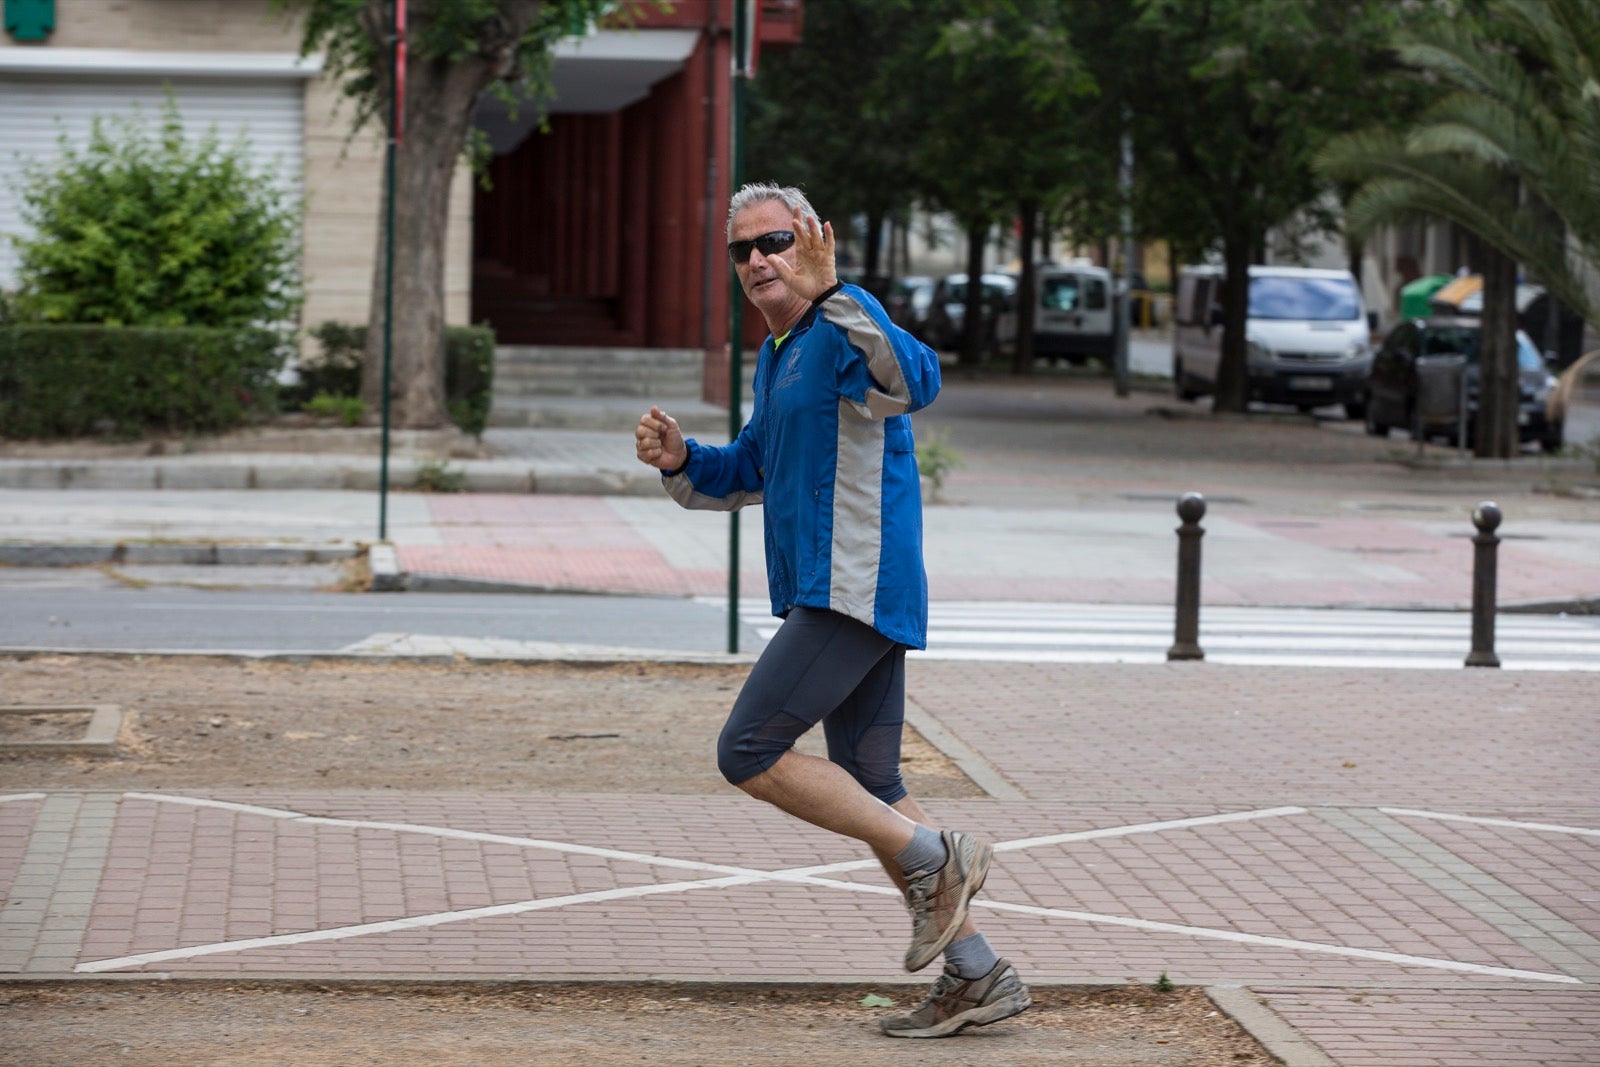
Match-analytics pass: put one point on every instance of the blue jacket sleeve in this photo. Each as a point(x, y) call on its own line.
point(720, 477)
point(886, 371)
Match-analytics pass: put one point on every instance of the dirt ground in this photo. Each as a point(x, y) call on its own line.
point(506, 728)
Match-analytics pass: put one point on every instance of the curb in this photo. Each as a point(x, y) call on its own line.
point(181, 553)
point(290, 472)
point(1262, 1023)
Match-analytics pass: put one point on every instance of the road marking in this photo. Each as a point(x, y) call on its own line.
point(1146, 828)
point(737, 876)
point(22, 796)
point(1069, 633)
point(1515, 824)
point(1279, 942)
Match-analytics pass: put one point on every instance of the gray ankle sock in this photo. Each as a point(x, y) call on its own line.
point(925, 853)
point(971, 956)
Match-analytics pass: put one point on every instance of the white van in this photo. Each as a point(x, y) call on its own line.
point(1307, 339)
point(1072, 315)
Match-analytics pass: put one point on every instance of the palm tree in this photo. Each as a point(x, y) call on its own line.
point(1511, 154)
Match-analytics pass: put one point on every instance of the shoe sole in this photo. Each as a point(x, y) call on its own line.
point(976, 876)
point(1007, 1008)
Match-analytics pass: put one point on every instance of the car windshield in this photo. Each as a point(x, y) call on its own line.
point(1528, 357)
point(1304, 299)
point(1448, 340)
point(955, 291)
point(1059, 294)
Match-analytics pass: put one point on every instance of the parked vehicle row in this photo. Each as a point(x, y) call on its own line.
point(1073, 319)
point(1307, 339)
point(1417, 348)
point(1308, 343)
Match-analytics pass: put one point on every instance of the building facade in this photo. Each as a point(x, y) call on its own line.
point(604, 229)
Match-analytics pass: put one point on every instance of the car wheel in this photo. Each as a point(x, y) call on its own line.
point(1374, 427)
point(1355, 409)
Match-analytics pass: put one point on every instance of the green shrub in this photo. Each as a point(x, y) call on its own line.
point(468, 369)
point(73, 381)
point(347, 409)
point(435, 476)
point(150, 229)
point(469, 376)
point(336, 368)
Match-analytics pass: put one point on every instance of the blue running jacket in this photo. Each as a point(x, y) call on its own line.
point(828, 453)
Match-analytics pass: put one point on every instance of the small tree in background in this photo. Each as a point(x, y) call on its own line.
point(142, 228)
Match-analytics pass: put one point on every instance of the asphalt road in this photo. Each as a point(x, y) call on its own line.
point(82, 610)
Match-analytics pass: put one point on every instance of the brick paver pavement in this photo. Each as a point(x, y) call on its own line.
point(1401, 865)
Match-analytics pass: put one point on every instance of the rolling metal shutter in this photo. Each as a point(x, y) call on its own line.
point(37, 109)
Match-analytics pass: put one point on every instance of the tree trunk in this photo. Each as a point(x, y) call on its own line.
point(1498, 384)
point(441, 94)
point(1028, 286)
point(872, 251)
point(972, 318)
point(1233, 383)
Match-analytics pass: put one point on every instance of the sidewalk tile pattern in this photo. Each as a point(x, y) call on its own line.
point(1275, 735)
point(1445, 1028)
point(1559, 871)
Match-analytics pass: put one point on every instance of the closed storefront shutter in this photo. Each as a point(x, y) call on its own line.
point(37, 109)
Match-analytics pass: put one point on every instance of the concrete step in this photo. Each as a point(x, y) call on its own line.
point(597, 382)
point(616, 414)
point(525, 371)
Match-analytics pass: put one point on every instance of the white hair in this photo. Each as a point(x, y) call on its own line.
point(754, 193)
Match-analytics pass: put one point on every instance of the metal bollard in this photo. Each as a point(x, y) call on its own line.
point(1186, 642)
point(1486, 517)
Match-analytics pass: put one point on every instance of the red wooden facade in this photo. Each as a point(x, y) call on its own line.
point(608, 230)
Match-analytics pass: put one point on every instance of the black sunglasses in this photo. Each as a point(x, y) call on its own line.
point(769, 244)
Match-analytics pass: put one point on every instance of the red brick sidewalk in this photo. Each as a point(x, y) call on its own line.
point(1402, 865)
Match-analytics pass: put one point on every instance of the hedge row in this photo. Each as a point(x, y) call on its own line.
point(468, 369)
point(125, 381)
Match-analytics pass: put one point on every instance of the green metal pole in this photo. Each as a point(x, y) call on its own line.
point(741, 28)
point(388, 270)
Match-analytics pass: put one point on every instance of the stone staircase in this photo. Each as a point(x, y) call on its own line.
point(549, 387)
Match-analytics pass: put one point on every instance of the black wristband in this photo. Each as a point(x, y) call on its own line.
point(829, 291)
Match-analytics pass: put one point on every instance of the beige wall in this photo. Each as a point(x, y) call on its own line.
point(343, 176)
point(171, 26)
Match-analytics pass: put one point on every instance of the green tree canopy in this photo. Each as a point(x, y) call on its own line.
point(1231, 99)
point(1511, 154)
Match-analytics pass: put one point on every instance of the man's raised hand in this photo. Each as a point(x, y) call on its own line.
point(812, 272)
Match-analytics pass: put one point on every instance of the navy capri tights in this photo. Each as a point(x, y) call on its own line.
point(822, 667)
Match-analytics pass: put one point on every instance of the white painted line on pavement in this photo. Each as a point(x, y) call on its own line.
point(22, 796)
point(1515, 824)
point(743, 876)
point(1277, 942)
point(445, 831)
point(413, 922)
point(1146, 828)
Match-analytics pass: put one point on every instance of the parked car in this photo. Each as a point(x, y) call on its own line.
point(910, 299)
point(1394, 385)
point(1073, 316)
point(1307, 339)
point(948, 310)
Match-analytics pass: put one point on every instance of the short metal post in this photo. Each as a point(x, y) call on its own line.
point(1486, 517)
point(1186, 643)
